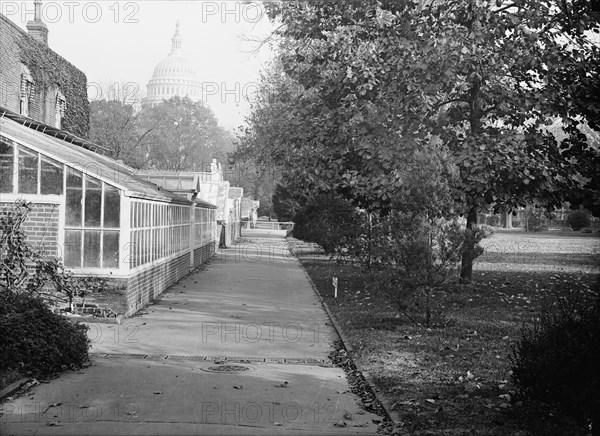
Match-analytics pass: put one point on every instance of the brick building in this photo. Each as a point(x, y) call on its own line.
point(95, 213)
point(37, 82)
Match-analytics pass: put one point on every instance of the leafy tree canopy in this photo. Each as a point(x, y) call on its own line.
point(359, 89)
point(359, 86)
point(177, 135)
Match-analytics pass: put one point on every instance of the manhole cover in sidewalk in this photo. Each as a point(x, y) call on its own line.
point(226, 368)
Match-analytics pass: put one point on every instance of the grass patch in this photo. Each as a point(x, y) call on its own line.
point(455, 379)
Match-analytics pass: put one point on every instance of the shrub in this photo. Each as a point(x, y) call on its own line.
point(493, 220)
point(33, 337)
point(535, 221)
point(26, 271)
point(486, 231)
point(36, 339)
point(329, 221)
point(578, 219)
point(556, 360)
point(415, 258)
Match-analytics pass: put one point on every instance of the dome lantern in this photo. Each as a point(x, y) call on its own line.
point(176, 42)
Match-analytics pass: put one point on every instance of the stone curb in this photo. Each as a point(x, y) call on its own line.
point(12, 388)
point(94, 320)
point(346, 344)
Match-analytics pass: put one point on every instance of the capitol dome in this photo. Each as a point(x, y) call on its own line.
point(173, 76)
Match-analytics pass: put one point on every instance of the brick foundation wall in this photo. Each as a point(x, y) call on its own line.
point(202, 254)
point(41, 227)
point(112, 301)
point(150, 283)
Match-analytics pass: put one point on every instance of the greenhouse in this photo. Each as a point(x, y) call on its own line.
point(99, 216)
point(210, 187)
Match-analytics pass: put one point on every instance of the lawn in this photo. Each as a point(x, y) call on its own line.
point(455, 379)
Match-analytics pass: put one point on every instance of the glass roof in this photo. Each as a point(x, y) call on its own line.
point(94, 164)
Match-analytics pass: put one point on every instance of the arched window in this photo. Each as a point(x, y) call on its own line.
point(27, 91)
point(60, 107)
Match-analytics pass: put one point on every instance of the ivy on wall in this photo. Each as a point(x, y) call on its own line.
point(49, 70)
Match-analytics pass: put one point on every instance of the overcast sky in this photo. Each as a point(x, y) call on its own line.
point(121, 42)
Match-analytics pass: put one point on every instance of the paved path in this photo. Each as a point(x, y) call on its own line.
point(239, 348)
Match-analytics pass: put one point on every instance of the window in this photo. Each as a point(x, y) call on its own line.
point(6, 166)
point(60, 107)
point(205, 226)
point(36, 174)
point(27, 91)
point(28, 171)
point(51, 176)
point(92, 220)
point(157, 231)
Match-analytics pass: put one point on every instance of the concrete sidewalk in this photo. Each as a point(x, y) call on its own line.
point(239, 348)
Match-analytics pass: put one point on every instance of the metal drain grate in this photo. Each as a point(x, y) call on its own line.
point(219, 360)
point(227, 368)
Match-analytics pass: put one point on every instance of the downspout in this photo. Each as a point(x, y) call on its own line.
point(192, 227)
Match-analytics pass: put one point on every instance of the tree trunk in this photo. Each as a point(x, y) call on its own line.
point(466, 271)
point(508, 220)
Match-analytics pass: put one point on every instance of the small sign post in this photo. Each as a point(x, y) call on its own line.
point(334, 282)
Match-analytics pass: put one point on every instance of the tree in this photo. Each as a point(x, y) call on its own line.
point(258, 181)
point(115, 126)
point(285, 206)
point(359, 87)
point(176, 135)
point(183, 135)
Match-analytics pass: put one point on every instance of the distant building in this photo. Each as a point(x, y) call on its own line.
point(208, 186)
point(173, 76)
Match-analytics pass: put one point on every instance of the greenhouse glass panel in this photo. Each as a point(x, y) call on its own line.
point(6, 166)
point(73, 207)
point(110, 250)
point(93, 202)
point(51, 182)
point(28, 171)
point(112, 207)
point(74, 178)
point(73, 248)
point(91, 248)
